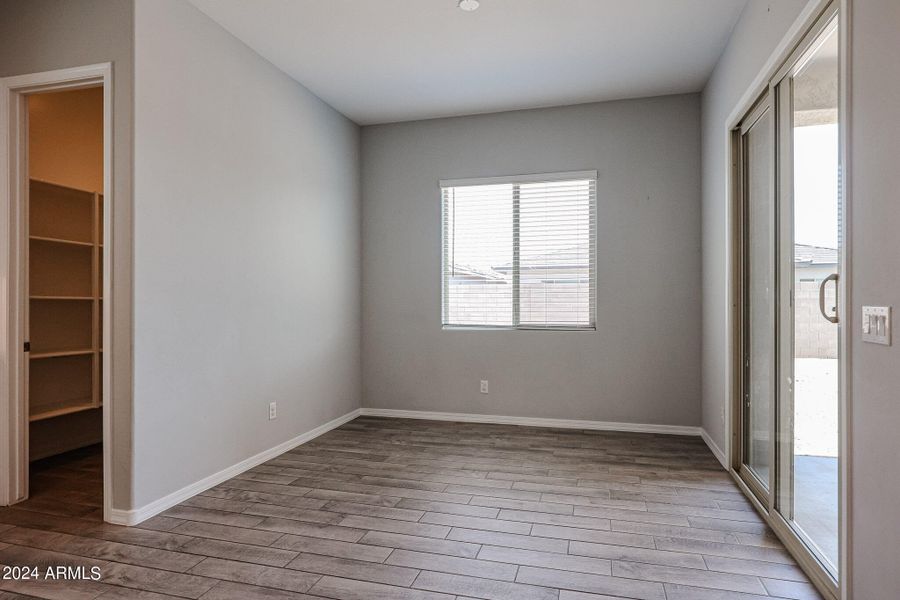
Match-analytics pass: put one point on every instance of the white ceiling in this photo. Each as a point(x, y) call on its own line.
point(380, 61)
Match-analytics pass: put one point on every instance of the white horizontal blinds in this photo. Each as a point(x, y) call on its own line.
point(520, 252)
point(556, 250)
point(478, 236)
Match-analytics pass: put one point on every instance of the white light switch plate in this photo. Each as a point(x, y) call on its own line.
point(876, 325)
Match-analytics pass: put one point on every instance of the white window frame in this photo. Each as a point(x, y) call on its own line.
point(514, 180)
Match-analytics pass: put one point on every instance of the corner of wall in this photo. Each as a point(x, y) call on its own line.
point(714, 448)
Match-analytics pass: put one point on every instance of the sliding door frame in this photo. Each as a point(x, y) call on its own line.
point(763, 105)
point(803, 34)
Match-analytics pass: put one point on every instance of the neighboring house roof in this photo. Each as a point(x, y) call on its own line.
point(573, 257)
point(811, 256)
point(567, 258)
point(466, 272)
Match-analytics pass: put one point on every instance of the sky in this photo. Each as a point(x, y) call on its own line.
point(816, 185)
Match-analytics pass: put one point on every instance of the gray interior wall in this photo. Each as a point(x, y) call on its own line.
point(247, 253)
point(755, 37)
point(43, 35)
point(874, 222)
point(642, 363)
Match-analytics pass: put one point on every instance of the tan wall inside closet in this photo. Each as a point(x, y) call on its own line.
point(65, 132)
point(65, 148)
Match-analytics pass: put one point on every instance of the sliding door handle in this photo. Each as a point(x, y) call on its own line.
point(832, 277)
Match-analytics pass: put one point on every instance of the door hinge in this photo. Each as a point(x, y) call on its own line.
point(27, 346)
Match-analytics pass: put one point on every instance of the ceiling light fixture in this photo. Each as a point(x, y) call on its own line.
point(468, 5)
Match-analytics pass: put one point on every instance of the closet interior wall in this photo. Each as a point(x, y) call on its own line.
point(65, 254)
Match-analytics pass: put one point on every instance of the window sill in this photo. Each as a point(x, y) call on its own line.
point(510, 328)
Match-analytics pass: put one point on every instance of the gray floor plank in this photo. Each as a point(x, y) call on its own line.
point(351, 589)
point(447, 547)
point(154, 580)
point(191, 513)
point(242, 572)
point(333, 548)
point(473, 509)
point(394, 526)
point(275, 557)
point(686, 592)
point(548, 560)
point(320, 530)
point(754, 567)
point(596, 584)
point(451, 564)
point(497, 524)
point(368, 510)
point(546, 507)
point(791, 589)
point(593, 535)
point(693, 577)
point(778, 555)
point(227, 533)
point(645, 555)
point(225, 590)
point(510, 540)
point(476, 587)
point(354, 569)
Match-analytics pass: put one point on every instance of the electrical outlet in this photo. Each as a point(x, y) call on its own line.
point(722, 416)
point(273, 410)
point(484, 386)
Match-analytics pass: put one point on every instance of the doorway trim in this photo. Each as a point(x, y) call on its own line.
point(13, 190)
point(805, 23)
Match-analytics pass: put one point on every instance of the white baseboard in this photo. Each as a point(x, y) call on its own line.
point(714, 447)
point(532, 421)
point(135, 516)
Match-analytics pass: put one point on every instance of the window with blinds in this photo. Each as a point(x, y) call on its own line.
point(519, 252)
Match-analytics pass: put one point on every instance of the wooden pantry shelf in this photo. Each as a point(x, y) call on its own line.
point(62, 297)
point(60, 353)
point(63, 410)
point(65, 282)
point(51, 240)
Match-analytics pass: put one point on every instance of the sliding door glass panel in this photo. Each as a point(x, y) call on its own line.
point(809, 458)
point(759, 296)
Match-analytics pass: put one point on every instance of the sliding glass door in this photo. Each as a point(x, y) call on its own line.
point(810, 271)
point(758, 268)
point(789, 245)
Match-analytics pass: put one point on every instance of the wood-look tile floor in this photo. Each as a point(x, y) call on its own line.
point(69, 484)
point(384, 509)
